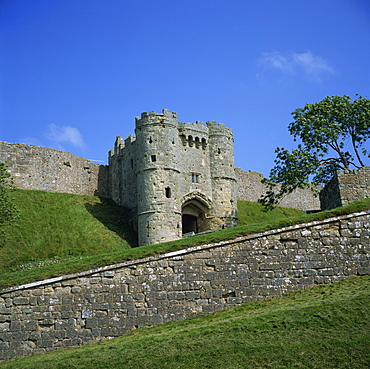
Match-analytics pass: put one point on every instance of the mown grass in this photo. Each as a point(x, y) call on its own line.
point(60, 234)
point(321, 327)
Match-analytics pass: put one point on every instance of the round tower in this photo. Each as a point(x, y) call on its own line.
point(157, 153)
point(224, 212)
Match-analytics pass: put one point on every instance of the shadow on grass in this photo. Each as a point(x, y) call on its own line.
point(115, 218)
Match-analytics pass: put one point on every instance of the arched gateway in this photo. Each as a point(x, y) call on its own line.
point(194, 210)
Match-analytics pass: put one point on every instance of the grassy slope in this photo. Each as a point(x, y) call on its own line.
point(64, 226)
point(322, 327)
point(251, 212)
point(61, 233)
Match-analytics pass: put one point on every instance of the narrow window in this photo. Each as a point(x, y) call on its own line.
point(195, 178)
point(204, 143)
point(150, 139)
point(190, 140)
point(168, 192)
point(183, 139)
point(132, 163)
point(153, 158)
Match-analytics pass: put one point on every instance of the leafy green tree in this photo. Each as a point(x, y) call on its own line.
point(331, 134)
point(8, 211)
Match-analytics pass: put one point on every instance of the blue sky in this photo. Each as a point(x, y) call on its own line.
point(75, 73)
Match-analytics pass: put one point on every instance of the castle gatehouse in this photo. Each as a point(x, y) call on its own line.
point(177, 178)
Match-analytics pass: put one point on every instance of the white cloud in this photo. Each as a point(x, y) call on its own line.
point(292, 63)
point(276, 60)
point(310, 63)
point(60, 135)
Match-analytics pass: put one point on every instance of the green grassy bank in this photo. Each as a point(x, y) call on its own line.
point(321, 327)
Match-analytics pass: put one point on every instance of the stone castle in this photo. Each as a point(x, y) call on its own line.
point(177, 178)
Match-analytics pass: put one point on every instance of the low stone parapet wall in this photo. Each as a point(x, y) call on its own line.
point(107, 302)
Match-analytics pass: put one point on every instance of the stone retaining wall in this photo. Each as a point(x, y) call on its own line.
point(107, 302)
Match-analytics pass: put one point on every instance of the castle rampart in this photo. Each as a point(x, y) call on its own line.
point(41, 168)
point(250, 188)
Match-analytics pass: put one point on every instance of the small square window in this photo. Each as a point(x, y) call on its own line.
point(153, 158)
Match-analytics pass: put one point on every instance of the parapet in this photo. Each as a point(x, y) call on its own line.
point(153, 117)
point(213, 124)
point(218, 128)
point(120, 145)
point(197, 126)
point(358, 172)
point(130, 139)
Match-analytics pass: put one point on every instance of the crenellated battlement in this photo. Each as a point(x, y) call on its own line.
point(216, 128)
point(130, 139)
point(198, 127)
point(153, 117)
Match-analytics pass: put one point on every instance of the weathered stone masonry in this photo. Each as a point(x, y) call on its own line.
point(176, 177)
point(41, 168)
point(110, 301)
point(45, 169)
point(345, 187)
point(250, 188)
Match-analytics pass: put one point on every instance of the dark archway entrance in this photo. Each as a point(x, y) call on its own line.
point(189, 224)
point(194, 209)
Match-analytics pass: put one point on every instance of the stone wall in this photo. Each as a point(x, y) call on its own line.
point(41, 168)
point(345, 187)
point(107, 302)
point(250, 188)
